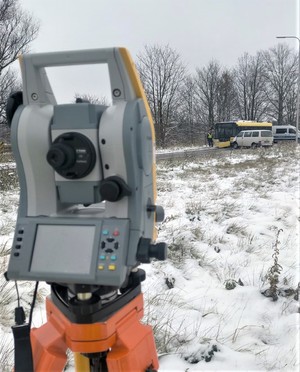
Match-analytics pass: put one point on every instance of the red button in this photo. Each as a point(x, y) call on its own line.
point(116, 233)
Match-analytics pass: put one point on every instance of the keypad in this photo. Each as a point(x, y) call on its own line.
point(110, 243)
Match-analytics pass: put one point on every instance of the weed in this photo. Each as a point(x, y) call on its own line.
point(6, 355)
point(235, 228)
point(161, 316)
point(194, 208)
point(274, 271)
point(7, 297)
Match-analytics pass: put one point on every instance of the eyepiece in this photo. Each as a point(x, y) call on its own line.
point(61, 156)
point(72, 155)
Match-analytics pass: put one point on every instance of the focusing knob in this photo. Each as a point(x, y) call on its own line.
point(61, 156)
point(110, 191)
point(113, 189)
point(146, 250)
point(158, 251)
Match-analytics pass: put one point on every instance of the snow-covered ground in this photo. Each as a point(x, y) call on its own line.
point(232, 226)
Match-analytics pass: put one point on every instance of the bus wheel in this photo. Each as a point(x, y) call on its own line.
point(235, 145)
point(254, 145)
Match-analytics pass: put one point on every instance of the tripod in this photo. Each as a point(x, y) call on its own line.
point(103, 337)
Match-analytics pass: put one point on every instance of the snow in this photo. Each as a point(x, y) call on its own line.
point(223, 216)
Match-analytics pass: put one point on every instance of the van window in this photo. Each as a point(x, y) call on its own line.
point(266, 133)
point(240, 134)
point(292, 131)
point(247, 134)
point(281, 130)
point(255, 134)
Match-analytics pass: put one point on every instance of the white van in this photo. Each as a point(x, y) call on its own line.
point(284, 133)
point(253, 138)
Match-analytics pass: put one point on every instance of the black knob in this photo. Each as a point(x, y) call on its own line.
point(159, 211)
point(61, 156)
point(110, 190)
point(146, 250)
point(158, 251)
point(113, 189)
point(14, 101)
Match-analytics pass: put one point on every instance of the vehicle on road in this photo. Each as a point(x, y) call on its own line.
point(227, 130)
point(253, 138)
point(284, 133)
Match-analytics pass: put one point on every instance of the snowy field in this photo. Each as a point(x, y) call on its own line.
point(227, 298)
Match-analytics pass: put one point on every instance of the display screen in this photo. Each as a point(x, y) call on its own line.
point(63, 249)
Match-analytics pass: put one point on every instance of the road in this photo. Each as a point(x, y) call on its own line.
point(186, 153)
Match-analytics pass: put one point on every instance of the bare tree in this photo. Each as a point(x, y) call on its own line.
point(188, 130)
point(280, 71)
point(291, 106)
point(162, 73)
point(9, 82)
point(207, 90)
point(17, 30)
point(250, 87)
point(226, 97)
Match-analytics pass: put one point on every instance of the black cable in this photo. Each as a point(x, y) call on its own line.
point(21, 331)
point(18, 295)
point(33, 303)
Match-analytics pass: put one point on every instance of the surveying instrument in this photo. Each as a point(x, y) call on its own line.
point(86, 217)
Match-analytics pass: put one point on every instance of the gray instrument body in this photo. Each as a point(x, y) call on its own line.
point(58, 238)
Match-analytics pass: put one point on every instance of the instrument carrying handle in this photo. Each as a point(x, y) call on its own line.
point(37, 89)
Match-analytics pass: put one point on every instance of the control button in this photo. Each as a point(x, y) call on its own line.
point(105, 232)
point(18, 246)
point(116, 232)
point(110, 240)
point(113, 257)
point(17, 254)
point(102, 257)
point(116, 245)
point(101, 267)
point(102, 245)
point(109, 250)
point(19, 239)
point(111, 267)
point(21, 231)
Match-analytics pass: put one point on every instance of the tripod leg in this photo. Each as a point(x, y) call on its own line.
point(82, 364)
point(49, 349)
point(134, 350)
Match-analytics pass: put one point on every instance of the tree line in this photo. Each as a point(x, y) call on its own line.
point(17, 30)
point(184, 105)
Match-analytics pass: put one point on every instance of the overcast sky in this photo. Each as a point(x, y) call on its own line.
point(199, 30)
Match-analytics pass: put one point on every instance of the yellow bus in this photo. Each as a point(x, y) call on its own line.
point(227, 130)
